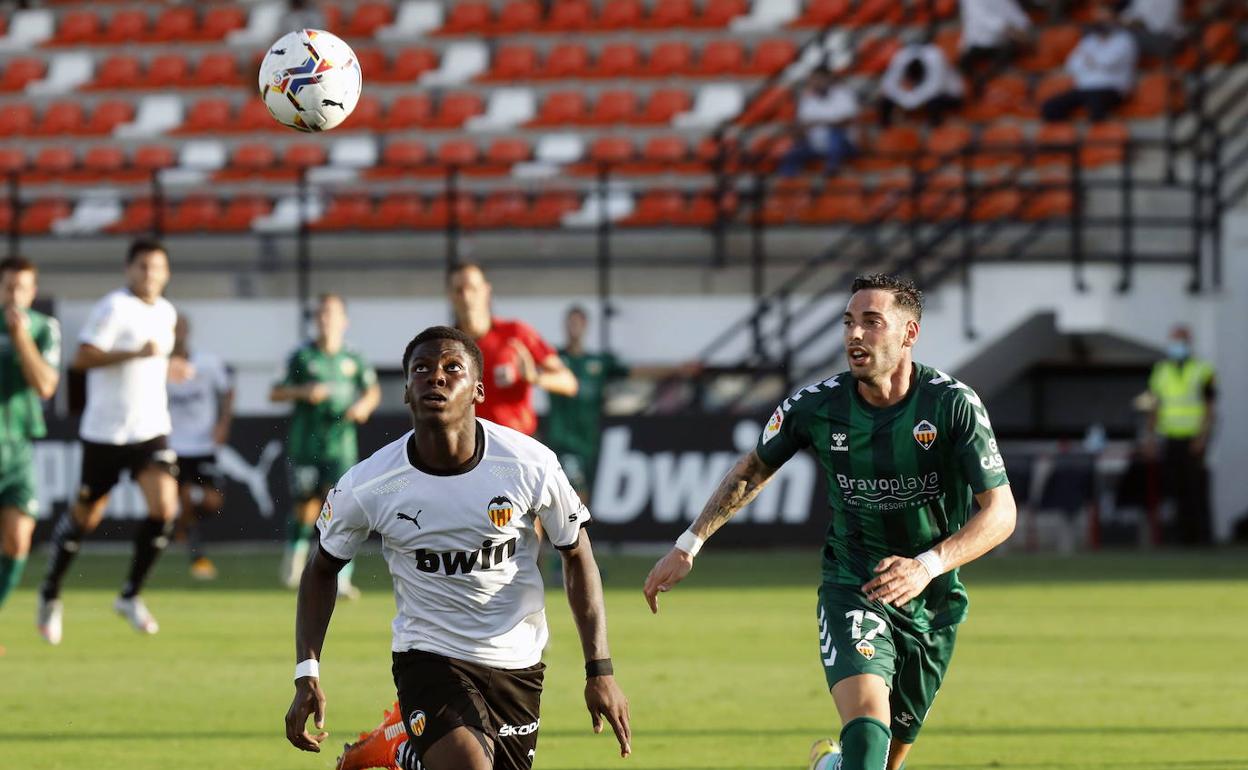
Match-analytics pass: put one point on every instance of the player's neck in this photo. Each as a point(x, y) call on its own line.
point(575, 347)
point(330, 346)
point(891, 389)
point(446, 448)
point(144, 298)
point(476, 326)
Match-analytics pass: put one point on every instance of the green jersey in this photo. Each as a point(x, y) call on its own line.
point(318, 431)
point(572, 422)
point(900, 478)
point(21, 409)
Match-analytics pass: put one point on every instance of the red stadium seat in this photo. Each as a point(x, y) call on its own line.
point(457, 107)
point(1003, 95)
point(513, 62)
point(467, 18)
point(153, 157)
point(11, 159)
point(219, 21)
point(438, 214)
point(672, 57)
point(240, 213)
point(566, 60)
point(457, 152)
point(409, 64)
point(548, 209)
point(503, 209)
point(655, 208)
point(771, 56)
point(611, 150)
point(1105, 144)
point(108, 115)
point(821, 13)
point(874, 53)
point(173, 25)
point(718, 13)
point(1050, 199)
point(840, 201)
point(867, 12)
point(949, 41)
point(945, 145)
point(570, 16)
point(562, 107)
point(216, 69)
point(62, 118)
point(1052, 47)
point(303, 155)
point(17, 119)
point(250, 159)
point(38, 217)
point(896, 146)
point(518, 16)
point(77, 28)
point(1054, 141)
point(663, 105)
point(617, 60)
point(1152, 94)
point(368, 18)
point(613, 107)
point(399, 211)
point(620, 14)
point(662, 154)
point(211, 115)
point(996, 205)
point(118, 71)
point(775, 104)
point(198, 212)
point(125, 27)
point(1000, 145)
point(399, 158)
point(1051, 85)
point(409, 111)
point(372, 62)
point(169, 70)
point(53, 162)
point(668, 14)
point(346, 212)
point(20, 71)
point(507, 151)
point(365, 117)
point(721, 57)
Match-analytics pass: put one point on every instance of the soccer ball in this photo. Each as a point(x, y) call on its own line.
point(310, 80)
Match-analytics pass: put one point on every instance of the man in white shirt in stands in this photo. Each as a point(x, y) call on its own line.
point(1103, 67)
point(124, 348)
point(456, 502)
point(824, 111)
point(201, 407)
point(992, 30)
point(919, 77)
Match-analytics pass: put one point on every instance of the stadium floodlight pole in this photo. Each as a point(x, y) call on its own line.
point(303, 258)
point(604, 258)
point(15, 209)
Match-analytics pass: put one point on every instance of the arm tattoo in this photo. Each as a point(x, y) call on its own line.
point(737, 489)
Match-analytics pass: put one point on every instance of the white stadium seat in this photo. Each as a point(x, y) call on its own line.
point(285, 214)
point(507, 108)
point(346, 157)
point(713, 105)
point(157, 114)
point(28, 28)
point(766, 15)
point(617, 205)
point(91, 214)
point(415, 18)
point(261, 26)
point(66, 73)
point(460, 63)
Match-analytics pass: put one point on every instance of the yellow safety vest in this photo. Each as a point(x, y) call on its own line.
point(1180, 391)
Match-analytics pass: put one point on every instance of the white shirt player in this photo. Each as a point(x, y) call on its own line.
point(461, 548)
point(193, 406)
point(126, 402)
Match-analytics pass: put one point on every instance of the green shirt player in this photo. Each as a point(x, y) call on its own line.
point(905, 449)
point(333, 390)
point(30, 357)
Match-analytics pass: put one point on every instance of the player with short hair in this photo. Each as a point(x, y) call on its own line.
point(30, 359)
point(124, 348)
point(333, 389)
point(201, 407)
point(907, 449)
point(456, 501)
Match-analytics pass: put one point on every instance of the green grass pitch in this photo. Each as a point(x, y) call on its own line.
point(1132, 661)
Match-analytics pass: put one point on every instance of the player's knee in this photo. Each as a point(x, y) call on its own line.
point(864, 744)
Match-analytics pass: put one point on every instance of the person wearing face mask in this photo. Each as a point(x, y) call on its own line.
point(1184, 391)
point(1103, 68)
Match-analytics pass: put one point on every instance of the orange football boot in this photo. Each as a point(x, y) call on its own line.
point(376, 748)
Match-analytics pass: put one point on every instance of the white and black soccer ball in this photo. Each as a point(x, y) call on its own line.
point(310, 80)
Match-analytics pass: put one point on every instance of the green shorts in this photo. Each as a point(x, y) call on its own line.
point(17, 477)
point(313, 479)
point(858, 636)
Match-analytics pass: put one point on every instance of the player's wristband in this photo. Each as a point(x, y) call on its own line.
point(599, 667)
point(310, 667)
point(689, 542)
point(931, 562)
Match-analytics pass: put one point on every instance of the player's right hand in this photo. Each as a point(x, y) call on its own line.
point(316, 393)
point(667, 572)
point(309, 700)
point(150, 348)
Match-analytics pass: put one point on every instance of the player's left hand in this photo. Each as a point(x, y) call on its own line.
point(309, 701)
point(524, 361)
point(604, 699)
point(897, 580)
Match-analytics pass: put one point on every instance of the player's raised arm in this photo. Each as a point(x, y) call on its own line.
point(603, 696)
point(735, 491)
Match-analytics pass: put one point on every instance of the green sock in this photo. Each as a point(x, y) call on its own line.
point(864, 744)
point(298, 532)
point(10, 575)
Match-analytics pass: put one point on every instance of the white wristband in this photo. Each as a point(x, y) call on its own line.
point(689, 542)
point(310, 667)
point(931, 562)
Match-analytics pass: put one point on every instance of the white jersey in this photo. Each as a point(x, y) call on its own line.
point(461, 549)
point(126, 402)
point(193, 406)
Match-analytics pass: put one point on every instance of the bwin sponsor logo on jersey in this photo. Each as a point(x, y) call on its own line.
point(464, 562)
point(507, 731)
point(899, 489)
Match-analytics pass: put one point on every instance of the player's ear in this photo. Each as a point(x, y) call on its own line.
point(912, 333)
point(478, 397)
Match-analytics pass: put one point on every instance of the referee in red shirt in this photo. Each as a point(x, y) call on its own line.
point(516, 356)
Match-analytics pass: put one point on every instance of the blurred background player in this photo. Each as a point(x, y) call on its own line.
point(907, 451)
point(201, 407)
point(30, 359)
point(333, 389)
point(1184, 391)
point(517, 359)
point(124, 348)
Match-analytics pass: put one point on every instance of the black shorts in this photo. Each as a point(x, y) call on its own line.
point(438, 694)
point(201, 471)
point(102, 464)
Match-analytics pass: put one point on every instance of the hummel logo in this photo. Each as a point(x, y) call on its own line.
point(838, 442)
point(413, 519)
